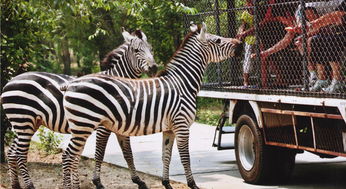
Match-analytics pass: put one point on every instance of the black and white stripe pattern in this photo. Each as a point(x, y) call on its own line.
point(140, 107)
point(33, 99)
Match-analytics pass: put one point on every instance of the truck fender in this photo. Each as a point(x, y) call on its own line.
point(254, 106)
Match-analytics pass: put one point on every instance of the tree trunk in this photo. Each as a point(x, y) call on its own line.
point(65, 55)
point(106, 43)
point(2, 138)
point(5, 64)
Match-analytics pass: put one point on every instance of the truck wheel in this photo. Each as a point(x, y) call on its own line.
point(258, 163)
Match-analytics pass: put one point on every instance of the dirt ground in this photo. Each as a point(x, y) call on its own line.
point(46, 173)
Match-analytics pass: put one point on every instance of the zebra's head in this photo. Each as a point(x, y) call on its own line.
point(218, 48)
point(143, 58)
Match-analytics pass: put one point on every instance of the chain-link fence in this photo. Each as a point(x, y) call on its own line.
point(291, 47)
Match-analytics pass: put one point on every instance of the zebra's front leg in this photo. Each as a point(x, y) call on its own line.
point(12, 164)
point(102, 135)
point(71, 156)
point(182, 137)
point(124, 142)
point(167, 144)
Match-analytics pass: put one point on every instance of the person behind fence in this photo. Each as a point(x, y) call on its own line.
point(290, 22)
point(310, 15)
point(247, 19)
point(277, 55)
point(246, 33)
point(328, 46)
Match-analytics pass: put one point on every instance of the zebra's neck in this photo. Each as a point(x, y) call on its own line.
point(187, 66)
point(121, 64)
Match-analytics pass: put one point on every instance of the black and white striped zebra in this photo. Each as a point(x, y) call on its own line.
point(140, 107)
point(33, 99)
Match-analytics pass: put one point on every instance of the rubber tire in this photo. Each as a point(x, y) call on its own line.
point(271, 165)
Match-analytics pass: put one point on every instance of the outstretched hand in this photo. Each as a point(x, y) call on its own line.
point(299, 28)
point(262, 54)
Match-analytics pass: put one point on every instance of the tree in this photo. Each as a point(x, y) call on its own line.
point(23, 32)
point(72, 36)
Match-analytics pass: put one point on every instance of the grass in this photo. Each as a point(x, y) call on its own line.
point(209, 110)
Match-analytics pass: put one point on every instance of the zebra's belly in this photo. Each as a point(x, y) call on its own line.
point(140, 129)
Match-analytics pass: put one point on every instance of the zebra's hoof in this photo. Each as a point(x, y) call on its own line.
point(98, 184)
point(142, 186)
point(16, 186)
point(192, 185)
point(166, 184)
point(30, 186)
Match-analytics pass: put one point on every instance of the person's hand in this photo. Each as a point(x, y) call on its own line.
point(294, 29)
point(262, 54)
point(240, 36)
point(298, 28)
point(298, 41)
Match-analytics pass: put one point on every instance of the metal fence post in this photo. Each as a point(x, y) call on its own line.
point(231, 18)
point(305, 58)
point(257, 48)
point(217, 20)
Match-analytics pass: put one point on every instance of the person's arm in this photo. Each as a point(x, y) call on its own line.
point(267, 18)
point(282, 44)
point(251, 30)
point(333, 18)
point(241, 29)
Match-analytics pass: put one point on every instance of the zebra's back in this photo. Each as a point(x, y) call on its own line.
point(35, 98)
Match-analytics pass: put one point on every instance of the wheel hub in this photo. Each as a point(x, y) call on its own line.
point(246, 147)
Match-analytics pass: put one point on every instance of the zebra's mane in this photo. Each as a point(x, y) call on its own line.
point(108, 62)
point(181, 46)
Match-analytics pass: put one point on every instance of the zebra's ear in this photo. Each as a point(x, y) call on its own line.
point(127, 36)
point(144, 37)
point(201, 35)
point(193, 27)
point(140, 35)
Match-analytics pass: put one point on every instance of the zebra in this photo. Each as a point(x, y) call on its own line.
point(34, 98)
point(127, 107)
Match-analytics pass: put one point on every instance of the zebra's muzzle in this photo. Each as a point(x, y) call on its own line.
point(152, 70)
point(238, 49)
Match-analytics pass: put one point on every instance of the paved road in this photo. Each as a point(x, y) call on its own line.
point(217, 169)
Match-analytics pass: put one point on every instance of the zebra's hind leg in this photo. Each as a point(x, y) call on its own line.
point(102, 136)
point(23, 144)
point(124, 142)
point(182, 137)
point(12, 165)
point(167, 144)
point(72, 153)
point(66, 166)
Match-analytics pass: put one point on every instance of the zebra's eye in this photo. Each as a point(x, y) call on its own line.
point(136, 50)
point(218, 41)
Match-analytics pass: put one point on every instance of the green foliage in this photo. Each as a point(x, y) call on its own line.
point(49, 142)
point(9, 137)
point(162, 21)
point(208, 110)
point(40, 31)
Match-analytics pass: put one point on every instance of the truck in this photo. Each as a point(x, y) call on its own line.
point(278, 115)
